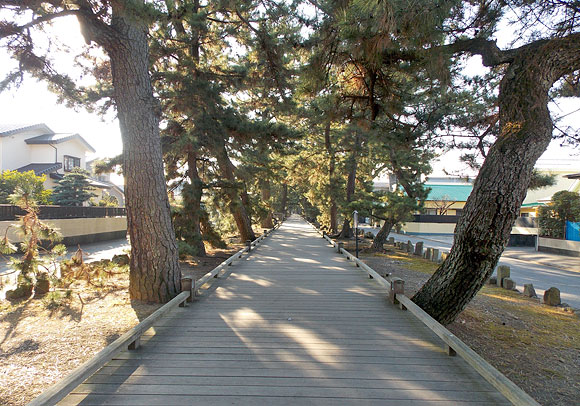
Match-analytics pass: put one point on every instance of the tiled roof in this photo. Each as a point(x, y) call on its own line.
point(93, 182)
point(57, 139)
point(456, 193)
point(11, 128)
point(40, 169)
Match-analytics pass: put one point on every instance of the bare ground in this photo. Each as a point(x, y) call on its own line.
point(42, 340)
point(535, 345)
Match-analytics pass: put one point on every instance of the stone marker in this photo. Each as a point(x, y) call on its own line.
point(492, 281)
point(444, 256)
point(552, 297)
point(529, 290)
point(419, 248)
point(392, 240)
point(502, 272)
point(435, 255)
point(429, 253)
point(508, 283)
point(410, 247)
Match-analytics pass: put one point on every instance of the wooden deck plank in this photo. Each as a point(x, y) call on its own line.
point(294, 323)
point(373, 371)
point(430, 383)
point(289, 392)
point(216, 400)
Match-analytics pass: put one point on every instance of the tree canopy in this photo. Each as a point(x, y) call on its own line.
point(271, 105)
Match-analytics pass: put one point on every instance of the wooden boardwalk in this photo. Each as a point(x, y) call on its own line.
point(292, 324)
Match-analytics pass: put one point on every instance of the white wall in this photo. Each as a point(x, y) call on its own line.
point(565, 247)
point(42, 153)
point(15, 152)
point(72, 148)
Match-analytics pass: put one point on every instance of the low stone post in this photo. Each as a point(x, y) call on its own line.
point(435, 255)
point(419, 248)
point(502, 272)
point(529, 290)
point(428, 254)
point(410, 247)
point(552, 297)
point(392, 240)
point(508, 283)
point(249, 245)
point(339, 246)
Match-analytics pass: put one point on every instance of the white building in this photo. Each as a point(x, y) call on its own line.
point(38, 148)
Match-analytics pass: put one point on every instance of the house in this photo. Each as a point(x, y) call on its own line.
point(565, 180)
point(108, 187)
point(38, 148)
point(446, 198)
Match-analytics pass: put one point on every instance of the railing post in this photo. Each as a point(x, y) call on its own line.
point(339, 246)
point(397, 288)
point(187, 285)
point(249, 245)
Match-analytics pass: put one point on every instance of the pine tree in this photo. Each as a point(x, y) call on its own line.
point(73, 189)
point(120, 29)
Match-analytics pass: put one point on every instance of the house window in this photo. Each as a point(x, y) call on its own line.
point(71, 162)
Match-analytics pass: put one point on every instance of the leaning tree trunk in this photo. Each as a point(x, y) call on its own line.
point(266, 195)
point(236, 205)
point(154, 269)
point(489, 214)
point(381, 237)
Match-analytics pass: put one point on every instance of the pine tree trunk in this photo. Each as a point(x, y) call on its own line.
point(381, 237)
point(331, 169)
point(266, 195)
point(489, 214)
point(154, 269)
point(192, 205)
point(236, 205)
point(346, 231)
point(284, 198)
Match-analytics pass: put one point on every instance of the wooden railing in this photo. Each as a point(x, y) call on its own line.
point(131, 339)
point(454, 346)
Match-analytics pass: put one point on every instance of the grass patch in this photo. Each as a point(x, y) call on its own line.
point(526, 320)
point(411, 262)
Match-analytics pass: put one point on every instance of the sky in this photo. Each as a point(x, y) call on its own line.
point(33, 103)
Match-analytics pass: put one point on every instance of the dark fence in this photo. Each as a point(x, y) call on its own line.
point(432, 218)
point(531, 222)
point(9, 212)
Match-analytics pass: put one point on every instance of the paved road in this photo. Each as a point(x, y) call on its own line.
point(527, 266)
